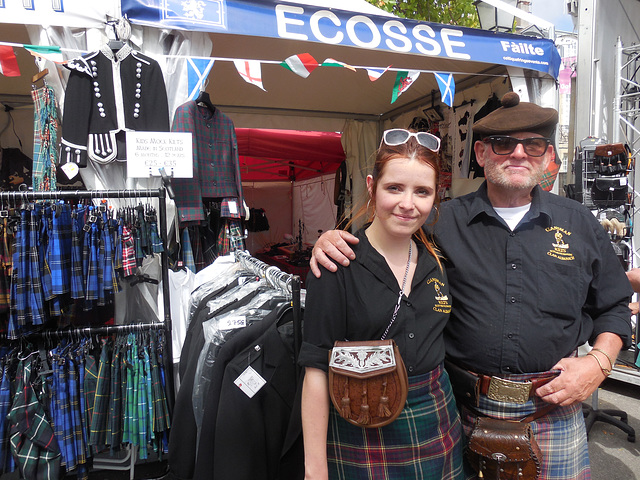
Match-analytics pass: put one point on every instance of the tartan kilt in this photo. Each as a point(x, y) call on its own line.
point(561, 434)
point(424, 442)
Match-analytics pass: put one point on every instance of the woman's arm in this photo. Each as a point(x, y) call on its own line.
point(315, 420)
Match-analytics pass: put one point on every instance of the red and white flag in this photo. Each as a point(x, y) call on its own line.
point(302, 64)
point(251, 71)
point(376, 73)
point(8, 62)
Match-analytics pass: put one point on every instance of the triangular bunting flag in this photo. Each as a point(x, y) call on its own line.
point(8, 62)
point(251, 71)
point(197, 72)
point(447, 87)
point(48, 52)
point(376, 73)
point(330, 62)
point(404, 79)
point(302, 64)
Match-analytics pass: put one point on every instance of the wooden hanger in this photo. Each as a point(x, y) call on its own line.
point(39, 76)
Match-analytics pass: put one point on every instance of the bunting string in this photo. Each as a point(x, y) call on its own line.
point(250, 69)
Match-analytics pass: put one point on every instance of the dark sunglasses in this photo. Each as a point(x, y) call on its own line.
point(504, 145)
point(398, 136)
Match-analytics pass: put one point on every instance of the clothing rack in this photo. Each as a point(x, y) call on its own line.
point(15, 198)
point(285, 282)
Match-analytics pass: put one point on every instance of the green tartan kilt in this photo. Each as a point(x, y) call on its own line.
point(424, 442)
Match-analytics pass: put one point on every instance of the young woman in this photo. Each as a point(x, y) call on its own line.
point(357, 303)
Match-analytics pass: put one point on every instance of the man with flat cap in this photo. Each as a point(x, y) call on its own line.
point(533, 276)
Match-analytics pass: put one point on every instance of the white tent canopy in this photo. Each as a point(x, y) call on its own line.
point(329, 99)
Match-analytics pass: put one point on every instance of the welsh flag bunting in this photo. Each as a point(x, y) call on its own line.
point(330, 62)
point(302, 64)
point(197, 72)
point(376, 73)
point(8, 62)
point(48, 52)
point(404, 79)
point(250, 71)
point(447, 87)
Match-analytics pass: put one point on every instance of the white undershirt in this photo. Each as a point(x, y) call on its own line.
point(512, 215)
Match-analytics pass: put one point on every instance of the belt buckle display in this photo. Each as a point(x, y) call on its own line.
point(508, 391)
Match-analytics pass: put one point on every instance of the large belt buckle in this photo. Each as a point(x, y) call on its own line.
point(508, 391)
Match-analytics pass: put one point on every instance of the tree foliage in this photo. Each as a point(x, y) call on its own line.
point(452, 12)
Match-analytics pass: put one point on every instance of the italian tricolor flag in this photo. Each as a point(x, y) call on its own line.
point(302, 64)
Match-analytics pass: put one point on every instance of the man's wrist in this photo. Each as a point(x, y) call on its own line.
point(605, 371)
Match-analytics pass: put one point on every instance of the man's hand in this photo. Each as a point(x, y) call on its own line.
point(332, 245)
point(634, 279)
point(580, 377)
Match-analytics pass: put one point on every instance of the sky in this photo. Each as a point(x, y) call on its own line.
point(553, 11)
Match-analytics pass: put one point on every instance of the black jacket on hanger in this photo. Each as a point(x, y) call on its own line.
point(260, 438)
point(182, 439)
point(99, 104)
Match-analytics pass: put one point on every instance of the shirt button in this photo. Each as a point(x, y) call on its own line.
point(513, 266)
point(410, 369)
point(512, 234)
point(513, 300)
point(507, 368)
point(408, 304)
point(510, 335)
point(411, 335)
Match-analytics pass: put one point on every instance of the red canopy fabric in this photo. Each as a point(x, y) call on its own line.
point(287, 155)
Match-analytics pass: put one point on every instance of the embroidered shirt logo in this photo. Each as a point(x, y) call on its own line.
point(442, 303)
point(560, 245)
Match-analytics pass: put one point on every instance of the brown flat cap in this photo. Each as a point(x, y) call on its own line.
point(516, 116)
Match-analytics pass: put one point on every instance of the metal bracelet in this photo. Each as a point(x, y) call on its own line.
point(605, 354)
point(605, 371)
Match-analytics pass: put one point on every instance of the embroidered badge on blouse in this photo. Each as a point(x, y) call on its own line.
point(442, 303)
point(560, 246)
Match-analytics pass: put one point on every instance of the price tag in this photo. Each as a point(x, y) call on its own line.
point(232, 322)
point(70, 169)
point(250, 382)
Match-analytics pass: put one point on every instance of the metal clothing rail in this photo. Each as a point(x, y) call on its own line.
point(289, 284)
point(101, 330)
point(14, 198)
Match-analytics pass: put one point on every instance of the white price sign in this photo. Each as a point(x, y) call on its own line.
point(147, 152)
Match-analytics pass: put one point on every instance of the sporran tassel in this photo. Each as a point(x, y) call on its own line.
point(364, 417)
point(345, 402)
point(383, 406)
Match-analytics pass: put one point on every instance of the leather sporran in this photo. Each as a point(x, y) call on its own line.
point(504, 449)
point(611, 159)
point(368, 382)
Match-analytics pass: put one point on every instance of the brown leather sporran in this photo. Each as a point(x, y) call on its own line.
point(504, 449)
point(368, 382)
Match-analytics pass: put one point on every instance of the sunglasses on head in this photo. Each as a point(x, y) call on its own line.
point(505, 145)
point(398, 136)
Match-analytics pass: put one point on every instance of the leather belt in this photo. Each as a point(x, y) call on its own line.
point(504, 390)
point(469, 386)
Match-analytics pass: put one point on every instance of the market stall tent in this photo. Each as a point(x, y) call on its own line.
point(330, 98)
point(289, 155)
point(290, 175)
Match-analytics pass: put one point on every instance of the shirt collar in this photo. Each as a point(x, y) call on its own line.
point(373, 261)
point(119, 55)
point(482, 205)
